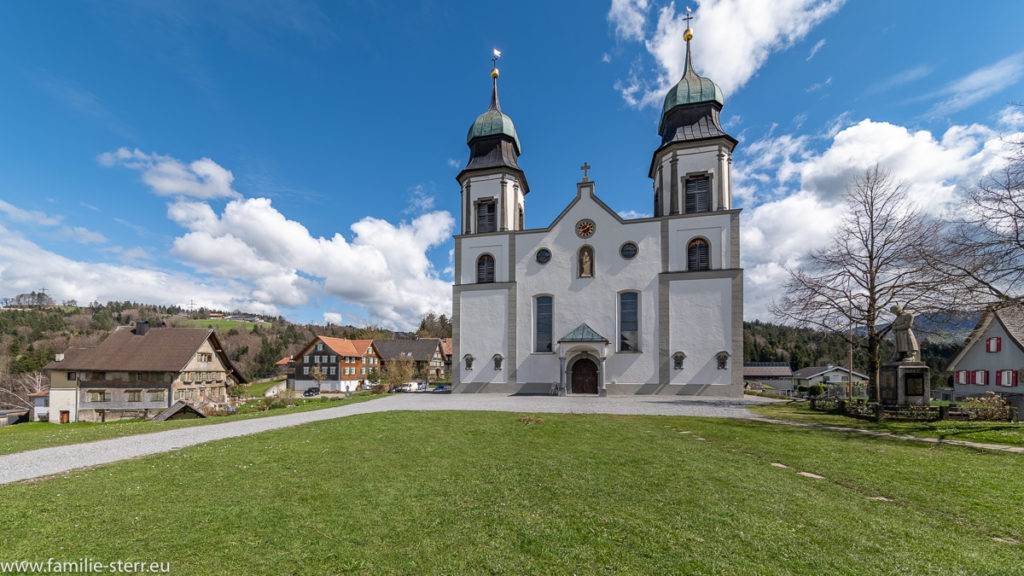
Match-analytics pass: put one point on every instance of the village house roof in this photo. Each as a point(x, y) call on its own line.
point(421, 350)
point(812, 371)
point(152, 350)
point(178, 410)
point(283, 361)
point(1012, 319)
point(446, 343)
point(767, 370)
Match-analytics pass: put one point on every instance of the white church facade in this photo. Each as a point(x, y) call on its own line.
point(595, 304)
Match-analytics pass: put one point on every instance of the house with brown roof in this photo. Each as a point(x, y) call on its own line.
point(137, 373)
point(333, 365)
point(446, 344)
point(427, 355)
point(768, 375)
point(993, 357)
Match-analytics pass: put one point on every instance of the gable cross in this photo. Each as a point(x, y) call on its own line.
point(688, 17)
point(585, 167)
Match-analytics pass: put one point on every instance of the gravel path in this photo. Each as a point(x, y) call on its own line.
point(56, 460)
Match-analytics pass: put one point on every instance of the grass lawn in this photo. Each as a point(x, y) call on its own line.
point(460, 492)
point(1011, 434)
point(32, 435)
point(222, 326)
point(259, 389)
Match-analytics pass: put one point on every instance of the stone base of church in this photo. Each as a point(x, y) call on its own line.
point(718, 390)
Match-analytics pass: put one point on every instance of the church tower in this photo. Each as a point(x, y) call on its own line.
point(493, 187)
point(691, 169)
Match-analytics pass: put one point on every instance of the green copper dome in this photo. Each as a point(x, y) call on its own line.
point(692, 89)
point(494, 122)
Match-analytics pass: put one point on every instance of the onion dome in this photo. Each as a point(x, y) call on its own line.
point(691, 106)
point(492, 138)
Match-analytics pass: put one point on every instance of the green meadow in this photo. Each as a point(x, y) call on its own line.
point(502, 493)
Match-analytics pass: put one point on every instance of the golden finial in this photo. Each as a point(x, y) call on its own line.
point(688, 35)
point(494, 63)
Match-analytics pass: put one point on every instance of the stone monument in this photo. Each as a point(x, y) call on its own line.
point(904, 380)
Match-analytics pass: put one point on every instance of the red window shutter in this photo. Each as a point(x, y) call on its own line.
point(999, 344)
point(984, 377)
point(1013, 378)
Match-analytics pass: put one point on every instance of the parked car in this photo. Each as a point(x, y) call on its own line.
point(310, 392)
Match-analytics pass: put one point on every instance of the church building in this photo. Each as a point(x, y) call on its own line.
point(596, 304)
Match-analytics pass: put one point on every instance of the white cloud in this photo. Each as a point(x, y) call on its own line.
point(797, 190)
point(628, 17)
point(168, 176)
point(332, 318)
point(384, 269)
point(419, 200)
point(815, 48)
point(25, 266)
point(276, 262)
point(84, 236)
point(732, 40)
point(901, 78)
point(979, 85)
point(1012, 117)
point(819, 85)
point(16, 214)
point(606, 58)
point(632, 214)
point(453, 163)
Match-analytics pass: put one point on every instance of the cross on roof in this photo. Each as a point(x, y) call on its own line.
point(688, 17)
point(585, 167)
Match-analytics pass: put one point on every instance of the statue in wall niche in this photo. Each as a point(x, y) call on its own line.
point(907, 349)
point(586, 264)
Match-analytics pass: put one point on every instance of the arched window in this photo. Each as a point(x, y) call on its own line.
point(586, 263)
point(629, 322)
point(698, 255)
point(485, 269)
point(698, 195)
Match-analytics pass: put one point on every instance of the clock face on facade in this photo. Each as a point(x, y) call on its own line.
point(585, 228)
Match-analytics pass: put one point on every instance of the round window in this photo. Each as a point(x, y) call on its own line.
point(628, 250)
point(543, 256)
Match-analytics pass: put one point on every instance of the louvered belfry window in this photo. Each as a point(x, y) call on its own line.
point(485, 217)
point(698, 255)
point(485, 269)
point(698, 194)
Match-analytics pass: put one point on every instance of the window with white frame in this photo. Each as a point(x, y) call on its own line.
point(994, 344)
point(1006, 378)
point(629, 322)
point(543, 324)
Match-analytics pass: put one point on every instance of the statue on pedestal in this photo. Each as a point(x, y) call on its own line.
point(907, 349)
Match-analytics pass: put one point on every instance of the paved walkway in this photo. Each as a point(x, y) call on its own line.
point(59, 459)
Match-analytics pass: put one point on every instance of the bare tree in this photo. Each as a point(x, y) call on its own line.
point(981, 256)
point(398, 371)
point(15, 389)
point(871, 264)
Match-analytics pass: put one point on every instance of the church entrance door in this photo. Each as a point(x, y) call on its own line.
point(584, 377)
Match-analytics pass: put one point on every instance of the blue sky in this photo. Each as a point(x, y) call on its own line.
point(299, 158)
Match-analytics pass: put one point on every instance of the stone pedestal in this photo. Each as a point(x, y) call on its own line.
point(903, 384)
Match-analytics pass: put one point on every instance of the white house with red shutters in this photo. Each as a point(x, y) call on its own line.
point(992, 359)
